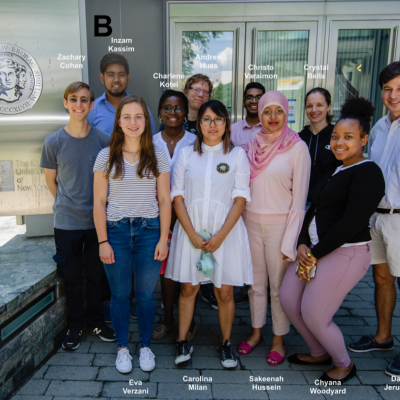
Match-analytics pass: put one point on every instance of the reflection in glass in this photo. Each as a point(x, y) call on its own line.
point(361, 55)
point(210, 53)
point(287, 53)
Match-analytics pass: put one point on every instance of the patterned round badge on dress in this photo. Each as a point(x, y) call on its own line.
point(223, 168)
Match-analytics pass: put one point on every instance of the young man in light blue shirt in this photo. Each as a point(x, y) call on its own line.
point(114, 74)
point(384, 149)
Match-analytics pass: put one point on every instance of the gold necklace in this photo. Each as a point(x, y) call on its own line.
point(172, 140)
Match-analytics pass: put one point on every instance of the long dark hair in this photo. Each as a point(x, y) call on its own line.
point(222, 112)
point(328, 99)
point(147, 159)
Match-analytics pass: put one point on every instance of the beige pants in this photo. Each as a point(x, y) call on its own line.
point(265, 245)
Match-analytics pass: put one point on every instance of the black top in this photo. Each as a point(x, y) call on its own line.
point(189, 126)
point(322, 158)
point(342, 206)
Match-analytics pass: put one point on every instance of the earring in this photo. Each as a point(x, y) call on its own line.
point(185, 120)
point(161, 120)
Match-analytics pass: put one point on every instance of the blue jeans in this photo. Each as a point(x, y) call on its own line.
point(134, 241)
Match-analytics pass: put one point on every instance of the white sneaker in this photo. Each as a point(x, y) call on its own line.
point(123, 362)
point(146, 359)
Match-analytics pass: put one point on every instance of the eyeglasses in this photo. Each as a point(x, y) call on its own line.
point(217, 121)
point(199, 91)
point(249, 97)
point(177, 109)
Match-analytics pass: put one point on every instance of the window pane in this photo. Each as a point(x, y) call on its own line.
point(287, 52)
point(361, 55)
point(210, 53)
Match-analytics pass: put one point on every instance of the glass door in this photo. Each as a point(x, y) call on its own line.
point(279, 55)
point(211, 49)
point(358, 51)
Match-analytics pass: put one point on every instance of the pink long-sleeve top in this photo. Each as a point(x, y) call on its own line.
point(279, 194)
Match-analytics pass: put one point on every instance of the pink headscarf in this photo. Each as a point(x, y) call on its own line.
point(263, 148)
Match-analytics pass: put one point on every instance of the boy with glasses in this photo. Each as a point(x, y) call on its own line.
point(67, 158)
point(244, 131)
point(114, 75)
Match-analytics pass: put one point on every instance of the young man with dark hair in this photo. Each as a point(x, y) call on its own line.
point(68, 157)
point(198, 89)
point(384, 149)
point(114, 74)
point(244, 131)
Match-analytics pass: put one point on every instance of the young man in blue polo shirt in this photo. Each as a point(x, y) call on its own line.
point(114, 74)
point(68, 157)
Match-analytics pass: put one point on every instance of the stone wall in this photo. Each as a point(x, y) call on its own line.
point(21, 356)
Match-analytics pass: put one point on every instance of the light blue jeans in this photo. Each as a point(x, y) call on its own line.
point(133, 241)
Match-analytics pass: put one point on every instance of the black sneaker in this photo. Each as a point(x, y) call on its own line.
point(368, 343)
point(104, 333)
point(241, 296)
point(211, 300)
point(184, 351)
point(72, 339)
point(228, 358)
point(393, 369)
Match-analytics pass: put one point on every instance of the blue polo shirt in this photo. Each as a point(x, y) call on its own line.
point(103, 115)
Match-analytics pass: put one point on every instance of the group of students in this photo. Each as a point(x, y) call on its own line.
point(239, 198)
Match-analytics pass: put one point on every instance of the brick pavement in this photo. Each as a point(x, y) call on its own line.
point(90, 373)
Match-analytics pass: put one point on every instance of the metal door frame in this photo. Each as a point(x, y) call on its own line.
point(315, 42)
point(333, 26)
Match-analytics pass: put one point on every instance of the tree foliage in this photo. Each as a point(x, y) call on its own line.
point(190, 40)
point(223, 93)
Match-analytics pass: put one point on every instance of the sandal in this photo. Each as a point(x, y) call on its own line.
point(275, 356)
point(160, 331)
point(244, 348)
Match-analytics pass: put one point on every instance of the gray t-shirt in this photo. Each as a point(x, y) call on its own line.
point(73, 158)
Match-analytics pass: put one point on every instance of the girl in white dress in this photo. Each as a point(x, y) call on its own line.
point(210, 188)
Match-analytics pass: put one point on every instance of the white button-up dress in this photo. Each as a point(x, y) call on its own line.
point(208, 196)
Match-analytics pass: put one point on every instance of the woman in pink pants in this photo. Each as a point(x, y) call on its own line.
point(335, 237)
point(279, 176)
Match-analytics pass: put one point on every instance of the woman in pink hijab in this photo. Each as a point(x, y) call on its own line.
point(279, 177)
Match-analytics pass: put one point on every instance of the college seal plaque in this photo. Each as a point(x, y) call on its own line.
point(21, 80)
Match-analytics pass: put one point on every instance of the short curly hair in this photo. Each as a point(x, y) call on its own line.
point(198, 78)
point(360, 109)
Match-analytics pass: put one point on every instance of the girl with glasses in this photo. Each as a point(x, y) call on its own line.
point(172, 109)
point(210, 188)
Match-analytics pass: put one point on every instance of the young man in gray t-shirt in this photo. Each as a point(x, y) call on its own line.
point(68, 156)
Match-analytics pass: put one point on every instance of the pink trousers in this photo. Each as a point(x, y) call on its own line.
point(310, 306)
point(268, 265)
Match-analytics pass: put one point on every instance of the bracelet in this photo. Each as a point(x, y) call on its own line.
point(220, 236)
point(103, 241)
point(193, 237)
